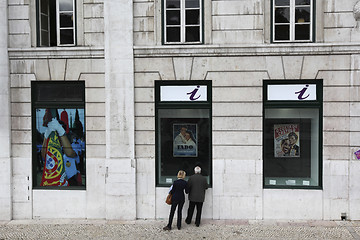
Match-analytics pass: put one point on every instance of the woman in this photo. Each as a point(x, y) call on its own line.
point(178, 199)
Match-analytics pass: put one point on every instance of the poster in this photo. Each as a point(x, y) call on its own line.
point(60, 147)
point(287, 140)
point(185, 140)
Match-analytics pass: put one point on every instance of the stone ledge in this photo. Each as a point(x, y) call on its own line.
point(274, 49)
point(55, 53)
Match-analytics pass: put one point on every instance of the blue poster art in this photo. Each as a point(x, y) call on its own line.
point(185, 140)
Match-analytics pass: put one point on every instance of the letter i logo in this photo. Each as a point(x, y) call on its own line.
point(192, 94)
point(302, 92)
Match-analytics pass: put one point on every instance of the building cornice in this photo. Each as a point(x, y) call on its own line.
point(56, 53)
point(247, 50)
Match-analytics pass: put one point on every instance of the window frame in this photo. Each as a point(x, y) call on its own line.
point(311, 104)
point(160, 105)
point(292, 24)
point(183, 24)
point(57, 24)
point(35, 104)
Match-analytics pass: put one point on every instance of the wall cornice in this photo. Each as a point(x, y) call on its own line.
point(56, 53)
point(246, 50)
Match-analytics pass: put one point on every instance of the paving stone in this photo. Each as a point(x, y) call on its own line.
point(152, 229)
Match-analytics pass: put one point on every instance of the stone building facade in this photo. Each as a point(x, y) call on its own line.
point(119, 55)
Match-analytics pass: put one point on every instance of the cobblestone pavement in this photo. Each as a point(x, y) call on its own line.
point(152, 229)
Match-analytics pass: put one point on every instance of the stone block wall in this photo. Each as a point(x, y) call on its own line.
point(237, 130)
point(5, 113)
point(81, 66)
point(22, 23)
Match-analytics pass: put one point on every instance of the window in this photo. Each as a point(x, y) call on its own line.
point(56, 23)
point(292, 20)
point(182, 21)
point(292, 134)
point(58, 119)
point(183, 129)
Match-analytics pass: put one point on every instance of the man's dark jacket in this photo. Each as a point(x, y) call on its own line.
point(197, 184)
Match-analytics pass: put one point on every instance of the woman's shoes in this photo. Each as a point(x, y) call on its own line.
point(166, 228)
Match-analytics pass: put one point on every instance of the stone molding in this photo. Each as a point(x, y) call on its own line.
point(247, 50)
point(56, 52)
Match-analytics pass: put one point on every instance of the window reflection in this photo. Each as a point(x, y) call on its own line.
point(66, 5)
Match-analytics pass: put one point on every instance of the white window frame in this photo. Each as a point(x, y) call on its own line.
point(183, 24)
point(58, 28)
point(292, 23)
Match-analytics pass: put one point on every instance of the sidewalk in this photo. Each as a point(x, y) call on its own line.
point(152, 229)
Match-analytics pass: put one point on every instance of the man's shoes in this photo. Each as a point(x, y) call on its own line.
point(179, 228)
point(197, 224)
point(187, 221)
point(166, 228)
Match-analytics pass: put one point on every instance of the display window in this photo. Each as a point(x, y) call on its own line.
point(183, 129)
point(292, 134)
point(58, 120)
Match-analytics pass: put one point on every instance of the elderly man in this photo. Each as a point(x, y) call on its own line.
point(197, 184)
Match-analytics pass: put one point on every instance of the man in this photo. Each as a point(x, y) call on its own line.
point(180, 138)
point(197, 184)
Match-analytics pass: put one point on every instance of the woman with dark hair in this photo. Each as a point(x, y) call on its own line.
point(190, 140)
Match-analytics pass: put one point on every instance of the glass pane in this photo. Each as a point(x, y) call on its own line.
point(192, 3)
point(66, 36)
point(291, 147)
point(66, 20)
point(192, 34)
point(44, 38)
point(173, 3)
point(302, 2)
point(183, 142)
point(173, 17)
point(60, 163)
point(58, 92)
point(66, 5)
point(192, 17)
point(44, 22)
point(302, 14)
point(302, 32)
point(44, 6)
point(282, 2)
point(282, 32)
point(173, 34)
point(282, 15)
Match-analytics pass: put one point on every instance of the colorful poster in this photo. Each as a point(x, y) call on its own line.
point(60, 143)
point(185, 140)
point(54, 170)
point(287, 140)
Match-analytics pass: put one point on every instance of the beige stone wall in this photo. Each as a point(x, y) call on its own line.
point(237, 130)
point(247, 22)
point(81, 66)
point(22, 23)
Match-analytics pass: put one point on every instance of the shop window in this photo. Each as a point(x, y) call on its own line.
point(292, 20)
point(292, 134)
point(56, 23)
point(183, 129)
point(58, 123)
point(182, 21)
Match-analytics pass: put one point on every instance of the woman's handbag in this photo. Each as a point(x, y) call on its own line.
point(168, 199)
